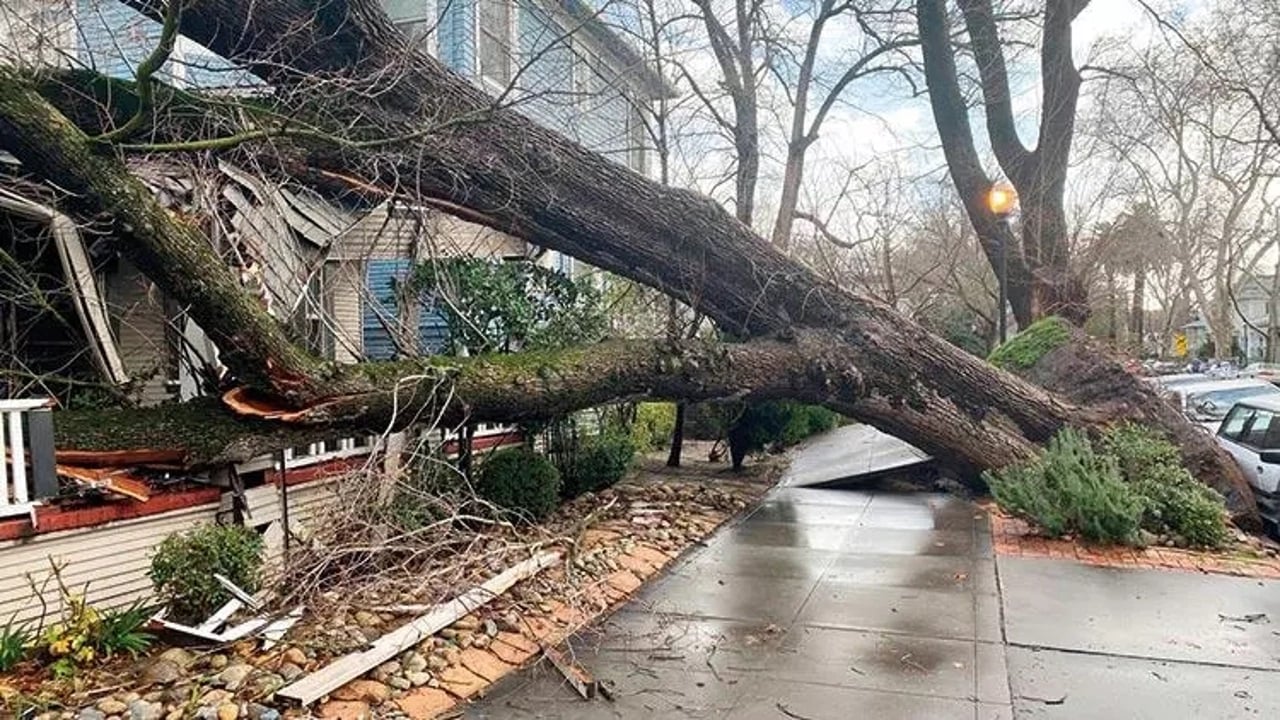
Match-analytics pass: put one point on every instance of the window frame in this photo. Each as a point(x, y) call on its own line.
point(496, 84)
point(1244, 427)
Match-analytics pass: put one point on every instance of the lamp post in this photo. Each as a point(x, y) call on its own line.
point(1002, 199)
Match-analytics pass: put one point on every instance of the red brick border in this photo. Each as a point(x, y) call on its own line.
point(1013, 536)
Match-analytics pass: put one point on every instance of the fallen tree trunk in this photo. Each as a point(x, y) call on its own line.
point(494, 166)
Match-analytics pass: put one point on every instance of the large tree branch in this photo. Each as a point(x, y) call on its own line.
point(521, 178)
point(988, 51)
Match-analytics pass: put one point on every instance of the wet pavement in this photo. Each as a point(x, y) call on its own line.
point(1104, 642)
point(823, 604)
point(819, 604)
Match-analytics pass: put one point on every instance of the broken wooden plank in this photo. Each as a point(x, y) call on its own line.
point(219, 618)
point(349, 667)
point(237, 592)
point(244, 629)
point(273, 633)
point(578, 678)
point(188, 630)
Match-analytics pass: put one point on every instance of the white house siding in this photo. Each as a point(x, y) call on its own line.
point(344, 282)
point(112, 559)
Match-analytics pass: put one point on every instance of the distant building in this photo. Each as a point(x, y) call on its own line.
point(1250, 321)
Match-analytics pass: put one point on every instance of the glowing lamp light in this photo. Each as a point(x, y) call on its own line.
point(1001, 199)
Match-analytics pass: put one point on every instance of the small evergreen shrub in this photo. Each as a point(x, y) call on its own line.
point(1072, 489)
point(653, 425)
point(598, 462)
point(183, 566)
point(520, 481)
point(1024, 350)
point(1175, 503)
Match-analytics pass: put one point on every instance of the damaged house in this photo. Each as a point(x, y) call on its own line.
point(80, 327)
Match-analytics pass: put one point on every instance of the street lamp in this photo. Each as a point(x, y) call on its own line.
point(1002, 199)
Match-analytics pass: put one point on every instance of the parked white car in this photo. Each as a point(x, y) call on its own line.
point(1208, 402)
point(1251, 433)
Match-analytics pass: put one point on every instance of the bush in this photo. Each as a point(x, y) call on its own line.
point(653, 425)
point(1175, 503)
point(1024, 350)
point(1072, 489)
point(597, 463)
point(521, 482)
point(183, 566)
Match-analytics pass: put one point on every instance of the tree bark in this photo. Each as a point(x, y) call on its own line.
point(1041, 280)
point(849, 352)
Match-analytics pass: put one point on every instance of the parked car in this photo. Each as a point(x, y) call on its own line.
point(1207, 402)
point(1251, 433)
point(1172, 381)
point(1262, 371)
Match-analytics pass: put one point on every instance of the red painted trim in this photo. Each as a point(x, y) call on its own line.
point(54, 518)
point(297, 476)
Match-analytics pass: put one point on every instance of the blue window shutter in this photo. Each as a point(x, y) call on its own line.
point(456, 35)
point(380, 308)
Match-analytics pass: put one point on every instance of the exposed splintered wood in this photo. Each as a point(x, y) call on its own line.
point(349, 667)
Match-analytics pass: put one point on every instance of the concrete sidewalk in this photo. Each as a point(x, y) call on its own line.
point(820, 604)
point(827, 604)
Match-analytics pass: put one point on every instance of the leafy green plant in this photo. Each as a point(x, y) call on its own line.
point(121, 631)
point(598, 462)
point(14, 641)
point(183, 566)
point(1175, 503)
point(773, 425)
point(654, 422)
point(1071, 489)
point(520, 481)
point(504, 306)
point(1024, 350)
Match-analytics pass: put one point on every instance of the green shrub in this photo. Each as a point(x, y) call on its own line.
point(1071, 489)
point(520, 481)
point(1024, 350)
point(85, 634)
point(183, 566)
point(597, 463)
point(14, 640)
point(1175, 503)
point(653, 425)
point(121, 631)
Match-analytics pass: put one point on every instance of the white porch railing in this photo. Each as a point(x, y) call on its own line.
point(27, 472)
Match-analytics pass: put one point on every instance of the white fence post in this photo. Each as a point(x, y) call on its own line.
point(16, 496)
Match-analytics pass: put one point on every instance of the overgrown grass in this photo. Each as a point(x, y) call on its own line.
point(1024, 350)
point(14, 640)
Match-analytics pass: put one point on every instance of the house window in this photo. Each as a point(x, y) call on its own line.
point(495, 41)
point(416, 19)
point(638, 136)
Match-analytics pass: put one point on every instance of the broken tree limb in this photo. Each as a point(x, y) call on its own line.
point(349, 667)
